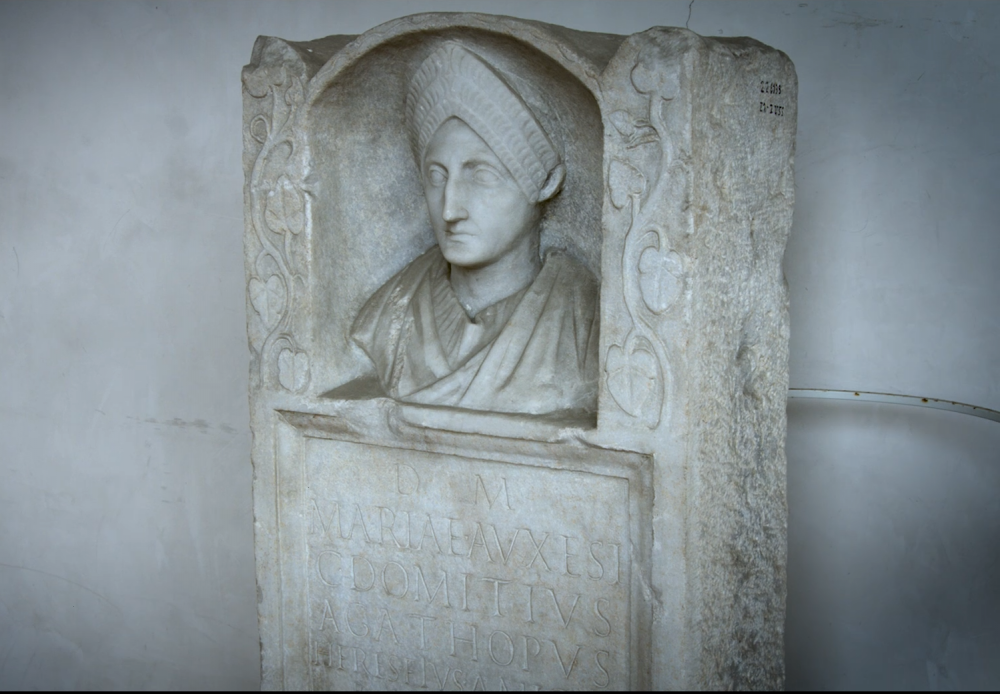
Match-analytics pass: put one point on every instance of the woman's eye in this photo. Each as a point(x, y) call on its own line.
point(485, 176)
point(436, 177)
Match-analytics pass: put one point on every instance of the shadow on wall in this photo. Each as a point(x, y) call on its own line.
point(893, 561)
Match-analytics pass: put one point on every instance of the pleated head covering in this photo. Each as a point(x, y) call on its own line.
point(454, 82)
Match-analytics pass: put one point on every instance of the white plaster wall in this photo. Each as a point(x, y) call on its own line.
point(126, 553)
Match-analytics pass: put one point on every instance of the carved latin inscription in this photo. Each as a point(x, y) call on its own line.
point(441, 572)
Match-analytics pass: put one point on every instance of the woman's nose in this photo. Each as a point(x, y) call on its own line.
point(454, 209)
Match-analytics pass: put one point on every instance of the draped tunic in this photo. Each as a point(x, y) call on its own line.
point(532, 352)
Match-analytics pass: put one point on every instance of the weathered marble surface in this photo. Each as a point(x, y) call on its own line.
point(403, 544)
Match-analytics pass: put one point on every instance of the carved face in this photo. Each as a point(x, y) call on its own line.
point(476, 208)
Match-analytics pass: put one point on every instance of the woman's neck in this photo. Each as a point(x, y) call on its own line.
point(482, 286)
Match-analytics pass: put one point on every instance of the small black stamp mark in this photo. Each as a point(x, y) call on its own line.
point(771, 89)
point(773, 109)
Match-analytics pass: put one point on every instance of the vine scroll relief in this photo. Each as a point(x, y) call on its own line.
point(279, 199)
point(636, 369)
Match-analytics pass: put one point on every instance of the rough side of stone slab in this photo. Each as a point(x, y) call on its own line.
point(699, 156)
point(743, 133)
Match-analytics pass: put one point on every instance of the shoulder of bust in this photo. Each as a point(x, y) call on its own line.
point(393, 295)
point(570, 273)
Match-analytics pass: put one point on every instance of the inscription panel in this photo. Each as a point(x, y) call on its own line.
point(427, 570)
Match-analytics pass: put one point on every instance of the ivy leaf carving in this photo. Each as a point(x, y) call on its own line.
point(659, 79)
point(624, 180)
point(285, 210)
point(633, 381)
point(660, 278)
point(259, 80)
point(268, 299)
point(293, 370)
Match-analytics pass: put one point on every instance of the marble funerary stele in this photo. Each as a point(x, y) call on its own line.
point(519, 337)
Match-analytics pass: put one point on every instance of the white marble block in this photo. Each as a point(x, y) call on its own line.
point(519, 338)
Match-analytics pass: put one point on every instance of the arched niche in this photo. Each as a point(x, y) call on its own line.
point(369, 218)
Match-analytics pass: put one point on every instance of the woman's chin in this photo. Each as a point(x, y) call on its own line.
point(458, 253)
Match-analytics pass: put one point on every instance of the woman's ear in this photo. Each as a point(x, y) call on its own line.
point(553, 184)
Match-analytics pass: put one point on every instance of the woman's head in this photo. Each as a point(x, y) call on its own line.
point(486, 162)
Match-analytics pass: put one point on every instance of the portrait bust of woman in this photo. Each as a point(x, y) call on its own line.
point(483, 321)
